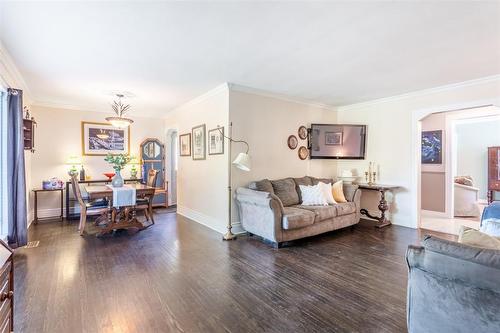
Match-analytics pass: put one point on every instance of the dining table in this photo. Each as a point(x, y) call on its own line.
point(122, 217)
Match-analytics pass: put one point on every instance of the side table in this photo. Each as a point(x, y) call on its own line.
point(382, 206)
point(37, 219)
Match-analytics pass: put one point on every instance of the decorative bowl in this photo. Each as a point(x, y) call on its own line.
point(109, 175)
point(348, 180)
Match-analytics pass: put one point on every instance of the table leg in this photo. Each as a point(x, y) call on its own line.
point(35, 221)
point(383, 207)
point(62, 199)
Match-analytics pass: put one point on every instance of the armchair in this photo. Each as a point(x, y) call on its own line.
point(466, 198)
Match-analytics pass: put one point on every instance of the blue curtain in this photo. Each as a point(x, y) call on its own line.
point(16, 182)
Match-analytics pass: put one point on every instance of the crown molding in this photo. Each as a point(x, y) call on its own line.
point(420, 93)
point(264, 93)
point(10, 75)
point(197, 100)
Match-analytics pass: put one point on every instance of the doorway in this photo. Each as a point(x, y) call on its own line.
point(174, 158)
point(453, 166)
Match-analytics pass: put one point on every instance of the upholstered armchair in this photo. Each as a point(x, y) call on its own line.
point(466, 198)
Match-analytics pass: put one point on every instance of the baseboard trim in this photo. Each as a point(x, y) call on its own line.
point(201, 218)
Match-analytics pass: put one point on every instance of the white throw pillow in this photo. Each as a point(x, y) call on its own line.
point(327, 193)
point(312, 195)
point(491, 227)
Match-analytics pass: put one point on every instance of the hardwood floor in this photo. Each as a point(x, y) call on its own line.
point(178, 276)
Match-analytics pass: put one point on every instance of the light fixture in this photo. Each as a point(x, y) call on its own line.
point(120, 109)
point(134, 162)
point(242, 162)
point(73, 161)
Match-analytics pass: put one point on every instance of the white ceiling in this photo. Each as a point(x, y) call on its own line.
point(72, 53)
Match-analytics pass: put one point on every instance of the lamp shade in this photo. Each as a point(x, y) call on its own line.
point(73, 160)
point(243, 162)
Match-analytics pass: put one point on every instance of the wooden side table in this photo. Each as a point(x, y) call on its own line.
point(382, 206)
point(37, 219)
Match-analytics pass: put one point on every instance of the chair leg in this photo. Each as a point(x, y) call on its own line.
point(83, 220)
point(146, 215)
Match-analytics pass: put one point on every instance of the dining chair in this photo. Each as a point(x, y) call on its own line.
point(98, 207)
point(143, 204)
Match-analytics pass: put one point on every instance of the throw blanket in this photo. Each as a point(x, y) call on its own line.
point(123, 196)
point(492, 211)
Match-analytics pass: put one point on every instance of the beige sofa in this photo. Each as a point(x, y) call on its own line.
point(272, 210)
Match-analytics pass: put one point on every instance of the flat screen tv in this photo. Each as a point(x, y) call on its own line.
point(337, 141)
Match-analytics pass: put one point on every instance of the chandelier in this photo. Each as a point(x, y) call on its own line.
point(120, 110)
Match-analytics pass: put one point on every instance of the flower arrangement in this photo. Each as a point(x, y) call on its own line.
point(117, 161)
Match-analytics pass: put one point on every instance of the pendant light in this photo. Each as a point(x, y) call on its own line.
point(120, 110)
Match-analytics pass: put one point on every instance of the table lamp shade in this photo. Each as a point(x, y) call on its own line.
point(74, 160)
point(243, 162)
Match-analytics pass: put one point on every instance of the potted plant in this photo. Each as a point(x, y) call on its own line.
point(118, 162)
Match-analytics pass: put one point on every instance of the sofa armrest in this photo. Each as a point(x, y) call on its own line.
point(260, 213)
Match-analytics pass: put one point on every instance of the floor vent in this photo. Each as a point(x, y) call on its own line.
point(31, 245)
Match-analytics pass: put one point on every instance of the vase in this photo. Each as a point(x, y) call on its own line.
point(117, 180)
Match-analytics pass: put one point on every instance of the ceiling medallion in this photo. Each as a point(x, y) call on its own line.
point(120, 110)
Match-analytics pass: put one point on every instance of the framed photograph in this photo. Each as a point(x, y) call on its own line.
point(100, 139)
point(216, 141)
point(302, 132)
point(333, 138)
point(303, 152)
point(199, 136)
point(292, 142)
point(185, 144)
point(432, 147)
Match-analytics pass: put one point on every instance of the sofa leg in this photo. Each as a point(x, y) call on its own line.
point(250, 234)
point(277, 245)
point(353, 227)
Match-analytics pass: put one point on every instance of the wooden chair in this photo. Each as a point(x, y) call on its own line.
point(99, 207)
point(144, 204)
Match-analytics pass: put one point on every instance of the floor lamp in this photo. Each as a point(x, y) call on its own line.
point(242, 162)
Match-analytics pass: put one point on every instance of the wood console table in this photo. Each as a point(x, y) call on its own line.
point(36, 191)
point(382, 206)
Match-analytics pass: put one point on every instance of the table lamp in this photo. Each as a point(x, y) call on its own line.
point(134, 161)
point(74, 161)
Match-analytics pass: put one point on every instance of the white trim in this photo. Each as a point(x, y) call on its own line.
point(431, 213)
point(199, 99)
point(208, 221)
point(420, 93)
point(10, 75)
point(260, 92)
point(416, 126)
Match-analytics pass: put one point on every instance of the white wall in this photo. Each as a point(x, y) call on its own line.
point(265, 122)
point(202, 184)
point(391, 141)
point(58, 136)
point(473, 140)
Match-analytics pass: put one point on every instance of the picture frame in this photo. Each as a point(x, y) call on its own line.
point(100, 139)
point(216, 141)
point(292, 142)
point(302, 132)
point(199, 142)
point(303, 153)
point(432, 147)
point(334, 138)
point(185, 144)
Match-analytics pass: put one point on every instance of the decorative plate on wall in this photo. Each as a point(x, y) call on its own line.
point(292, 142)
point(303, 152)
point(302, 132)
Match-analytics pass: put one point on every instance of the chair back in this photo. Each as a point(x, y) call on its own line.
point(76, 190)
point(152, 176)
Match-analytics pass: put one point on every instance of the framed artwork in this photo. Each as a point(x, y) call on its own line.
point(185, 144)
point(334, 138)
point(302, 132)
point(432, 147)
point(216, 141)
point(199, 136)
point(292, 142)
point(100, 139)
point(303, 153)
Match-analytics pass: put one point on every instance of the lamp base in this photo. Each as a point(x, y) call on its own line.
point(228, 236)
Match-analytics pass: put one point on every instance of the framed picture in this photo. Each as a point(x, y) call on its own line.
point(302, 132)
point(333, 138)
point(432, 147)
point(216, 141)
point(292, 142)
point(199, 142)
point(99, 139)
point(185, 144)
point(303, 152)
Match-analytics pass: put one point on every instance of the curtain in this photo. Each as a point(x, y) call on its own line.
point(16, 182)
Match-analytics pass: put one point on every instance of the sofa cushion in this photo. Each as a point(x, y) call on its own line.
point(315, 181)
point(306, 180)
point(294, 218)
point(286, 191)
point(474, 237)
point(263, 185)
point(345, 208)
point(321, 212)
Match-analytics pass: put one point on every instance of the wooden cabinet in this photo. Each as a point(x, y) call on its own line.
point(29, 134)
point(153, 157)
point(493, 172)
point(6, 289)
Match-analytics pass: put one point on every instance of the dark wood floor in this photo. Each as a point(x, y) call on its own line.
point(178, 276)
